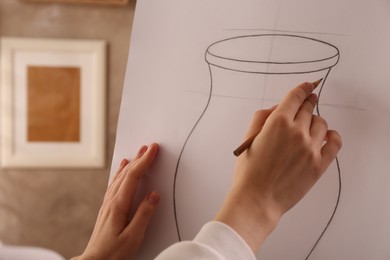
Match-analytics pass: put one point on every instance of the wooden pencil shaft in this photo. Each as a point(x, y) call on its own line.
point(245, 145)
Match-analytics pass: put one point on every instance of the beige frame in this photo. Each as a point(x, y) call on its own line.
point(15, 150)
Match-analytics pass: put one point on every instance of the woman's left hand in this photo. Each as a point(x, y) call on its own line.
point(116, 235)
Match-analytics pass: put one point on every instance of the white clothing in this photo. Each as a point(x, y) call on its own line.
point(215, 241)
point(27, 253)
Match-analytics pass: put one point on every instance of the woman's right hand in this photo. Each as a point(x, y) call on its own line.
point(288, 156)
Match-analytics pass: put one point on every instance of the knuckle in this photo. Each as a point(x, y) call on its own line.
point(336, 138)
point(313, 159)
point(145, 210)
point(317, 170)
point(258, 114)
point(135, 169)
point(282, 121)
point(309, 105)
point(115, 207)
point(304, 143)
point(322, 121)
point(339, 143)
point(299, 95)
point(300, 136)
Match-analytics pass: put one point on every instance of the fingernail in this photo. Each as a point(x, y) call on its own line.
point(124, 162)
point(142, 150)
point(153, 197)
point(313, 98)
point(154, 148)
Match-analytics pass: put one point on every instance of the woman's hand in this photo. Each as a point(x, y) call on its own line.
point(289, 155)
point(117, 235)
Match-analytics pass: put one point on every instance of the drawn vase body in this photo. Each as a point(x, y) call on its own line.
point(247, 73)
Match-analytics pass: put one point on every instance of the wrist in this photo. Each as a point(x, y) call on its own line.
point(249, 217)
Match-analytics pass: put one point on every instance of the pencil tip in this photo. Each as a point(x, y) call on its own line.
point(316, 83)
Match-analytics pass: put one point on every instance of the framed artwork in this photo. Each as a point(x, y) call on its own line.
point(101, 2)
point(52, 103)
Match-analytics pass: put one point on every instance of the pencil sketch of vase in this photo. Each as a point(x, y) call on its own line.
point(247, 73)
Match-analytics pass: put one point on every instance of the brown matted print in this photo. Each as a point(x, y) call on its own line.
point(53, 104)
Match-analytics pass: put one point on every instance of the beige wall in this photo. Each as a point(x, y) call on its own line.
point(56, 209)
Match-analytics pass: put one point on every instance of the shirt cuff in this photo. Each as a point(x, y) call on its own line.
point(225, 240)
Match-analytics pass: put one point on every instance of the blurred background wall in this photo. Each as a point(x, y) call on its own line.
point(57, 209)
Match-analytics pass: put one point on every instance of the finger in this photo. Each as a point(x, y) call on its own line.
point(318, 129)
point(258, 120)
point(141, 151)
point(123, 164)
point(331, 148)
point(122, 172)
point(134, 174)
point(295, 98)
point(305, 113)
point(136, 229)
point(114, 182)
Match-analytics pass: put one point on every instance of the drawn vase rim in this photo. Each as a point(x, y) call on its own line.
point(275, 54)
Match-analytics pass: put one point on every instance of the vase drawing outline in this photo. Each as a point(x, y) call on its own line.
point(228, 58)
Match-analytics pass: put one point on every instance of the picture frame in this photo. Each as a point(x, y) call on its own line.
point(95, 2)
point(52, 100)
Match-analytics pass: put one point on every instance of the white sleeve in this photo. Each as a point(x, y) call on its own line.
point(27, 253)
point(215, 240)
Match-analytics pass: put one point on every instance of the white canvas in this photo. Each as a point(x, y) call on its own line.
point(196, 99)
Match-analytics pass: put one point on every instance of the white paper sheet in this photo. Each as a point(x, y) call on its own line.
point(197, 105)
